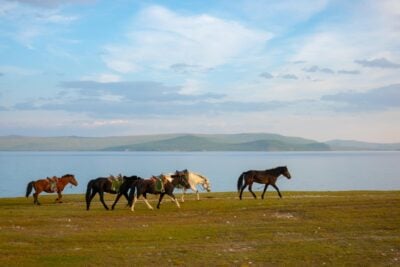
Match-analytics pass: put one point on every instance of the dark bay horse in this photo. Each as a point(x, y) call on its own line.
point(50, 185)
point(148, 186)
point(267, 177)
point(101, 185)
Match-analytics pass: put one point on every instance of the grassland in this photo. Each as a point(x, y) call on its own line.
point(302, 229)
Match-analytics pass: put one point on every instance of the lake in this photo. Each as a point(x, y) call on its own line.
point(311, 171)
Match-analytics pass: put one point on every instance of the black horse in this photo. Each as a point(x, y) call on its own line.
point(144, 186)
point(104, 184)
point(267, 177)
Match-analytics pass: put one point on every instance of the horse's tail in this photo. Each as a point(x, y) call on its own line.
point(29, 188)
point(240, 181)
point(89, 191)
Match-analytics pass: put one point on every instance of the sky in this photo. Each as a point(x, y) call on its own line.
point(317, 69)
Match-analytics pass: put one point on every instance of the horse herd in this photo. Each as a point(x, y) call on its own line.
point(134, 187)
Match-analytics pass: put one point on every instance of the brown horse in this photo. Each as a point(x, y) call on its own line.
point(50, 185)
point(153, 186)
point(267, 177)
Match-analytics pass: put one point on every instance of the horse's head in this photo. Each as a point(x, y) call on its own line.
point(285, 172)
point(206, 184)
point(71, 179)
point(181, 178)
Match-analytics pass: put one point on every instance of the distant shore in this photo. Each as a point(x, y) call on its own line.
point(186, 142)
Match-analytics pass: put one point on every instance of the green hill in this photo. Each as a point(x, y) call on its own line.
point(357, 145)
point(183, 142)
point(211, 143)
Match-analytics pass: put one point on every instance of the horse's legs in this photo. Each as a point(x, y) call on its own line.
point(133, 203)
point(277, 190)
point(36, 198)
point(160, 199)
point(194, 189)
point(172, 196)
point(176, 201)
point(116, 200)
point(183, 194)
point(127, 197)
point(101, 193)
point(89, 200)
point(251, 191)
point(241, 191)
point(59, 197)
point(147, 203)
point(265, 189)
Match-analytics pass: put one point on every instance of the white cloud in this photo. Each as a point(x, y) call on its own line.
point(102, 78)
point(29, 22)
point(273, 12)
point(103, 123)
point(159, 38)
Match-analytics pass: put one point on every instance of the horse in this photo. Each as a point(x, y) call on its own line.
point(50, 185)
point(267, 177)
point(105, 184)
point(144, 186)
point(193, 180)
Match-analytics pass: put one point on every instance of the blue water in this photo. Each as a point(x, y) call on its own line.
point(316, 171)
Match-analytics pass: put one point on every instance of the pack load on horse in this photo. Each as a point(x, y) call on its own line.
point(159, 183)
point(53, 183)
point(267, 177)
point(50, 185)
point(116, 182)
point(148, 186)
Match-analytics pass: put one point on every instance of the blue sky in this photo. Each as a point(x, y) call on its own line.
point(317, 69)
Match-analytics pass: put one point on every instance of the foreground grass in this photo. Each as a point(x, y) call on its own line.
point(302, 229)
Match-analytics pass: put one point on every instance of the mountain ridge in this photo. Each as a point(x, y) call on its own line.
point(185, 142)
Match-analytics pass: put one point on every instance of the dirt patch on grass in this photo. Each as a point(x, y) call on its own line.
point(285, 215)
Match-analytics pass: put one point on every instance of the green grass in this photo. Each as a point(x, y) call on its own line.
point(302, 229)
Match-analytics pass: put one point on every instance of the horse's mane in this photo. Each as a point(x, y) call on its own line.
point(133, 177)
point(277, 170)
point(202, 176)
point(65, 175)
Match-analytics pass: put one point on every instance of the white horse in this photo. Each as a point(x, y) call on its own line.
point(193, 180)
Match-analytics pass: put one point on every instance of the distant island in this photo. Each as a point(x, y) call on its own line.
point(185, 142)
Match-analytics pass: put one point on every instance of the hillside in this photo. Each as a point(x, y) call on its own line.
point(183, 142)
point(357, 145)
point(203, 143)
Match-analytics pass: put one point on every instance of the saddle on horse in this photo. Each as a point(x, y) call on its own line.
point(53, 183)
point(159, 183)
point(116, 182)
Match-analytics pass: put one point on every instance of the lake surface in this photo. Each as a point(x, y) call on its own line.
point(311, 171)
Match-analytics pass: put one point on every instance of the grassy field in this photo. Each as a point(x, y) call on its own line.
point(302, 229)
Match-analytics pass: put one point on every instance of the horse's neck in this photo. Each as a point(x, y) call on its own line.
point(63, 181)
point(273, 172)
point(174, 181)
point(196, 178)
